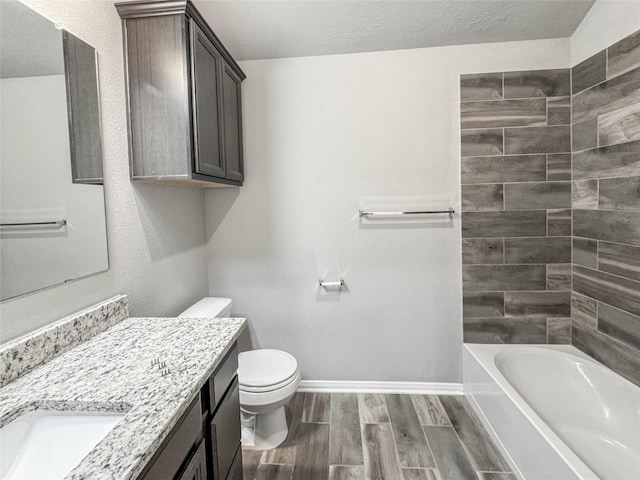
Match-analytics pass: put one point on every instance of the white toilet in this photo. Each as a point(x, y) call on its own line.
point(267, 379)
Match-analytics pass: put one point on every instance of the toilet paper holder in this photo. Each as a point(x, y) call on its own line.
point(325, 284)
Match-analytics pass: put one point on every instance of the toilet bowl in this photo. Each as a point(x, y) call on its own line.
point(267, 380)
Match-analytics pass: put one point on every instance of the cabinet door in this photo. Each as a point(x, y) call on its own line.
point(206, 66)
point(225, 432)
point(232, 107)
point(235, 472)
point(197, 466)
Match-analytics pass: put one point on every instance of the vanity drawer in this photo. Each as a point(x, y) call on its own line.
point(223, 377)
point(176, 448)
point(196, 469)
point(225, 432)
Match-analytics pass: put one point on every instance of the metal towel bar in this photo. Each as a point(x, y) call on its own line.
point(363, 213)
point(53, 223)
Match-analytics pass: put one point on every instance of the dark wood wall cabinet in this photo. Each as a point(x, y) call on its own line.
point(205, 443)
point(184, 97)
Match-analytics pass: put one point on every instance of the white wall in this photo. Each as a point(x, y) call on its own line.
point(606, 22)
point(325, 136)
point(156, 234)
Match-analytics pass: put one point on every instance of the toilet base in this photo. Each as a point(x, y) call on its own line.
point(265, 431)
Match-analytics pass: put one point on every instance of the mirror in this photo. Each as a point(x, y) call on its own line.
point(52, 213)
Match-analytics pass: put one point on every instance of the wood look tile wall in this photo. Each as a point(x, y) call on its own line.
point(606, 207)
point(516, 206)
point(550, 180)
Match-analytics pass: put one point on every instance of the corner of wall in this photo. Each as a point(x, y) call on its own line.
point(607, 22)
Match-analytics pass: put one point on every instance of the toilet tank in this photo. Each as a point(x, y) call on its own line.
point(209, 307)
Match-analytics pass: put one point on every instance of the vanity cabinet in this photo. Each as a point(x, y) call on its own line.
point(184, 97)
point(205, 443)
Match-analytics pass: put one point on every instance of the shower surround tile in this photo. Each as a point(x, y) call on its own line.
point(516, 209)
point(624, 55)
point(605, 162)
point(611, 289)
point(589, 73)
point(504, 113)
point(584, 194)
point(516, 168)
point(619, 193)
point(505, 330)
point(616, 93)
point(537, 304)
point(619, 126)
point(482, 304)
point(528, 223)
point(503, 277)
point(537, 250)
point(559, 330)
point(585, 252)
point(559, 111)
point(621, 260)
point(551, 139)
point(482, 251)
point(481, 86)
point(584, 310)
point(584, 134)
point(559, 167)
point(537, 83)
point(610, 225)
point(37, 348)
point(479, 142)
point(619, 324)
point(537, 196)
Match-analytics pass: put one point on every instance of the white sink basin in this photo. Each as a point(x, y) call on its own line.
point(46, 444)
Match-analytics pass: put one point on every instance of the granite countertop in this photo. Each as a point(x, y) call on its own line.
point(113, 372)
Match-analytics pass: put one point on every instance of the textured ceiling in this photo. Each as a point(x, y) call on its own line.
point(256, 29)
point(30, 45)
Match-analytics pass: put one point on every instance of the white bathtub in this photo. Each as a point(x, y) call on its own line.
point(555, 412)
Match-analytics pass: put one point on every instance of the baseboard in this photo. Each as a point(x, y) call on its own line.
point(428, 388)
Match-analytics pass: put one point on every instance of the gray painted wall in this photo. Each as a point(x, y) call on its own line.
point(325, 136)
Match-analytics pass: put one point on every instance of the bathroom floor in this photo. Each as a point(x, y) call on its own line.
point(380, 437)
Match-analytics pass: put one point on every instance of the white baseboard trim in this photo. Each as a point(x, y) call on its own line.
point(338, 386)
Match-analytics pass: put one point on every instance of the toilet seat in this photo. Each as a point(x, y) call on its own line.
point(270, 388)
point(266, 370)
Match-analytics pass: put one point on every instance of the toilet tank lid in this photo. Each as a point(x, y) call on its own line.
point(208, 307)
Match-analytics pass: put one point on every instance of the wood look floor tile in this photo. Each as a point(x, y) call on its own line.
point(312, 457)
point(317, 408)
point(430, 410)
point(496, 476)
point(378, 437)
point(420, 474)
point(274, 472)
point(476, 441)
point(372, 408)
point(413, 449)
point(345, 444)
point(380, 456)
point(346, 472)
point(450, 457)
point(250, 462)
